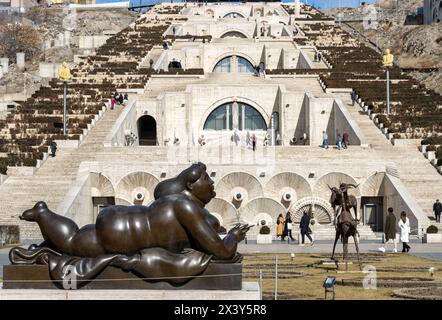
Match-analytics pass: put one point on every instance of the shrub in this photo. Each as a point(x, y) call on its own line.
point(3, 165)
point(11, 234)
point(432, 229)
point(264, 230)
point(396, 136)
point(439, 162)
point(431, 148)
point(19, 38)
point(432, 140)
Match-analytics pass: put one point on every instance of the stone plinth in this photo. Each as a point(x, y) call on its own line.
point(249, 291)
point(21, 60)
point(4, 62)
point(217, 276)
point(432, 238)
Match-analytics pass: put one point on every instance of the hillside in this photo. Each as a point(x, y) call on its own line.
point(415, 46)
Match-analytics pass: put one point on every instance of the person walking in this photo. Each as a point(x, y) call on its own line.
point(404, 227)
point(437, 209)
point(304, 227)
point(353, 97)
point(280, 226)
point(287, 227)
point(390, 229)
point(304, 137)
point(113, 102)
point(53, 147)
point(236, 138)
point(338, 140)
point(121, 99)
point(254, 142)
point(261, 69)
point(345, 139)
point(324, 140)
point(248, 139)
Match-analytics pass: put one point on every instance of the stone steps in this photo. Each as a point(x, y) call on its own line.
point(52, 180)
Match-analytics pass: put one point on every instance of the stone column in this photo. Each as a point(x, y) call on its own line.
point(235, 114)
point(67, 39)
point(4, 62)
point(21, 60)
point(1, 72)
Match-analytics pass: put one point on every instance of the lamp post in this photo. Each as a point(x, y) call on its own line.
point(65, 87)
point(387, 62)
point(65, 76)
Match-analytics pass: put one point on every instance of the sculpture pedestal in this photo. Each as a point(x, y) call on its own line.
point(249, 291)
point(217, 276)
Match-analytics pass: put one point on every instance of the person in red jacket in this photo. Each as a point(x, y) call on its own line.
point(345, 141)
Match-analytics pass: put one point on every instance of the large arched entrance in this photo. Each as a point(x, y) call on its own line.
point(147, 131)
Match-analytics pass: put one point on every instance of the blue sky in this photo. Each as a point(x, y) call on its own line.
point(316, 3)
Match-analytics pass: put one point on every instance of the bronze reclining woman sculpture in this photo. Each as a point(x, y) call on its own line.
point(175, 236)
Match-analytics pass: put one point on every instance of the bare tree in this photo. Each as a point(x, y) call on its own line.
point(19, 38)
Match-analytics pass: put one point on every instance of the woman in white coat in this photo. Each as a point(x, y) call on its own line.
point(404, 227)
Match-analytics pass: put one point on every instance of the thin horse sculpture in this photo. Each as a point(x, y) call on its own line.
point(345, 228)
point(339, 196)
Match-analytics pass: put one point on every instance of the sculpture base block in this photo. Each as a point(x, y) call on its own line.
point(249, 291)
point(217, 276)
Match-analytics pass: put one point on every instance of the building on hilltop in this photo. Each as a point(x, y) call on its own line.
point(202, 82)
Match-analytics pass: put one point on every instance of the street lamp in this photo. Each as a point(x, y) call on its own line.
point(65, 76)
point(387, 62)
point(329, 286)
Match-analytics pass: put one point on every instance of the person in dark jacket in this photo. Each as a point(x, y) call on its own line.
point(390, 228)
point(121, 99)
point(345, 140)
point(53, 148)
point(304, 227)
point(287, 227)
point(437, 209)
point(353, 97)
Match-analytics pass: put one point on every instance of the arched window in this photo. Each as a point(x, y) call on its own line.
point(233, 15)
point(253, 119)
point(245, 66)
point(233, 34)
point(223, 65)
point(232, 114)
point(227, 64)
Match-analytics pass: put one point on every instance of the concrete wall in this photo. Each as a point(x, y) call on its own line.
point(294, 115)
point(255, 10)
point(321, 119)
point(92, 42)
point(398, 197)
point(303, 62)
point(49, 70)
point(126, 122)
point(275, 54)
point(77, 204)
point(344, 122)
